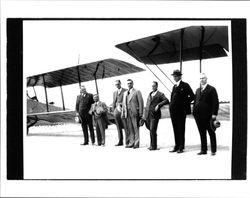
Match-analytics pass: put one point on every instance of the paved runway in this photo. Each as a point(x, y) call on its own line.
point(54, 152)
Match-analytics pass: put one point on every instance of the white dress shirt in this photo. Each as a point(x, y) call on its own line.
point(153, 93)
point(178, 83)
point(203, 87)
point(119, 91)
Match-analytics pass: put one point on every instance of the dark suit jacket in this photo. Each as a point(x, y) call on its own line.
point(206, 102)
point(83, 104)
point(181, 98)
point(118, 98)
point(158, 99)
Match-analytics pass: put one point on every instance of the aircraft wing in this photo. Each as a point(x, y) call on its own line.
point(37, 111)
point(84, 72)
point(166, 47)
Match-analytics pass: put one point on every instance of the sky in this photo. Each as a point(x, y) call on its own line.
point(53, 45)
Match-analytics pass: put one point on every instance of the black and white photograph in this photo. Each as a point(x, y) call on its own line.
point(96, 59)
point(144, 101)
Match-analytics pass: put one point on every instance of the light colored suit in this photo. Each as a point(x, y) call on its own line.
point(118, 98)
point(99, 110)
point(120, 122)
point(132, 111)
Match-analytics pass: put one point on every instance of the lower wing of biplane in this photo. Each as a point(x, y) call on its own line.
point(37, 111)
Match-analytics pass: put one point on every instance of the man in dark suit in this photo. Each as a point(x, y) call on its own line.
point(152, 113)
point(83, 105)
point(132, 111)
point(179, 107)
point(206, 105)
point(117, 108)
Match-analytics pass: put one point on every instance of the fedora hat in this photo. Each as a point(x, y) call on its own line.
point(99, 110)
point(214, 124)
point(176, 73)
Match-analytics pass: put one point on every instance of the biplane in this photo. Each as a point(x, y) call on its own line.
point(72, 75)
point(185, 44)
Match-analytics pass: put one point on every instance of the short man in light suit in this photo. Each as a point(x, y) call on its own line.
point(117, 107)
point(99, 110)
point(132, 111)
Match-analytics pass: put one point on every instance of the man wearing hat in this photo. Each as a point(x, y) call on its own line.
point(206, 105)
point(181, 98)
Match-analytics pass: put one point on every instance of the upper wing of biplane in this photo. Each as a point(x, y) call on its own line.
point(82, 73)
point(77, 74)
point(189, 43)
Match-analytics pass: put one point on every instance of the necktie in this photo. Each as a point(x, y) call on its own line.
point(128, 91)
point(174, 87)
point(127, 98)
point(202, 88)
point(95, 108)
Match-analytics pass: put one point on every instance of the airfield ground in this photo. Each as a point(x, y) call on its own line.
point(54, 152)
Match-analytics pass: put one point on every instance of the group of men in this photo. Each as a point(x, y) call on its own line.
point(129, 113)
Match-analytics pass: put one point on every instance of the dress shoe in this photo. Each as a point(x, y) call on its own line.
point(202, 153)
point(149, 148)
point(119, 144)
point(213, 153)
point(130, 146)
point(153, 149)
point(174, 150)
point(180, 151)
point(135, 147)
point(85, 143)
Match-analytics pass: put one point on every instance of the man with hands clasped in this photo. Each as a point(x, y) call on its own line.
point(99, 111)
